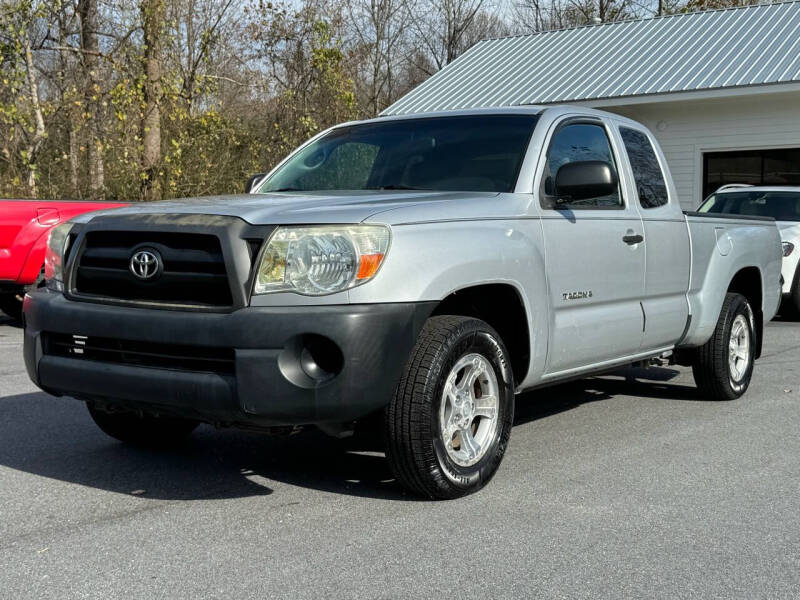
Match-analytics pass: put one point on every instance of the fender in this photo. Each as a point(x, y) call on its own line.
point(25, 254)
point(34, 260)
point(506, 251)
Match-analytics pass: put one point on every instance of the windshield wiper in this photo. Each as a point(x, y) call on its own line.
point(286, 189)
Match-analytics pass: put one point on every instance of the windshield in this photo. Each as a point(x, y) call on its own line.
point(783, 206)
point(472, 153)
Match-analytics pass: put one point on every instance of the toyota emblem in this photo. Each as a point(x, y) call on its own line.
point(145, 264)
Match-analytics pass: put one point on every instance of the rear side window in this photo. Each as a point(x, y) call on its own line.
point(647, 173)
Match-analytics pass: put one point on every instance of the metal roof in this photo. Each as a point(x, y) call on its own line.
point(717, 49)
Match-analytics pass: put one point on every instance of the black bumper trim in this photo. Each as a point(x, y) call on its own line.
point(375, 340)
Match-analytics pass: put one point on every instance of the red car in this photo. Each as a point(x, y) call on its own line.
point(24, 225)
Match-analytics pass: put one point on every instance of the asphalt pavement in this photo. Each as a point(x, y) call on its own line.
point(624, 486)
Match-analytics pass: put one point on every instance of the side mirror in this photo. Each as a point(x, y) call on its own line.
point(584, 179)
point(252, 181)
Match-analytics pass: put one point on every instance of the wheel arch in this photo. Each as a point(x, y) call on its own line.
point(748, 282)
point(706, 298)
point(502, 306)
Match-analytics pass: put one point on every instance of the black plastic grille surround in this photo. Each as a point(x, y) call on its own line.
point(141, 354)
point(193, 273)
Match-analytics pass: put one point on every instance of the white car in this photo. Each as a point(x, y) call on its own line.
point(780, 202)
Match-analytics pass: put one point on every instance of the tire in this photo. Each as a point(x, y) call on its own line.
point(794, 297)
point(450, 350)
point(718, 374)
point(11, 305)
point(144, 430)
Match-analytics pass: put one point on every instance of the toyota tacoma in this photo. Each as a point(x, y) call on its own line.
point(424, 268)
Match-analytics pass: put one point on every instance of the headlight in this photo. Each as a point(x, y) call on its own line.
point(787, 248)
point(57, 242)
point(317, 260)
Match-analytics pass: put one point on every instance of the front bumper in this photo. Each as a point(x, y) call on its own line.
point(267, 385)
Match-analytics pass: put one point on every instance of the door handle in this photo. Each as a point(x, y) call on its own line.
point(632, 239)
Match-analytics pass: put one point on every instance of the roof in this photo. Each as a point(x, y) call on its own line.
point(709, 50)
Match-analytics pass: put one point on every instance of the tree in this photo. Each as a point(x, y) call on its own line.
point(153, 13)
point(92, 95)
point(21, 110)
point(544, 15)
point(146, 99)
point(37, 136)
point(201, 29)
point(695, 5)
point(308, 82)
point(378, 28)
point(442, 28)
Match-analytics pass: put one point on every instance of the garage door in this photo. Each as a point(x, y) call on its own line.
point(756, 167)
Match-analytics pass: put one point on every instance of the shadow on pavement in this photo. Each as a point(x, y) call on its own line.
point(634, 381)
point(8, 321)
point(786, 316)
point(56, 438)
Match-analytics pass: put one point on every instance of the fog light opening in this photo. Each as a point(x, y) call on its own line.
point(310, 360)
point(320, 358)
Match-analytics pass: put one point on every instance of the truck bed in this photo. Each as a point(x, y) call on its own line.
point(722, 245)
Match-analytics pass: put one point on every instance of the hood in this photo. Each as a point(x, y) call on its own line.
point(297, 208)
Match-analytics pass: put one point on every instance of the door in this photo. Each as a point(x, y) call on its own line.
point(668, 259)
point(595, 258)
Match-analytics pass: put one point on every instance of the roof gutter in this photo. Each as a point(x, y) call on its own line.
point(682, 96)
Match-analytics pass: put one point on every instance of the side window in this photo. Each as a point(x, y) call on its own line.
point(646, 171)
point(575, 143)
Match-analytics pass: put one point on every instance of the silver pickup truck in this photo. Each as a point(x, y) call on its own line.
point(424, 268)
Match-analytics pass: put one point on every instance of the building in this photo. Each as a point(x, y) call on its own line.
point(720, 89)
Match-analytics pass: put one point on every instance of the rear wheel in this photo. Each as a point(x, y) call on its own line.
point(448, 424)
point(139, 429)
point(723, 366)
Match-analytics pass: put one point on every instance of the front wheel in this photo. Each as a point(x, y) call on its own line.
point(448, 424)
point(723, 366)
point(144, 430)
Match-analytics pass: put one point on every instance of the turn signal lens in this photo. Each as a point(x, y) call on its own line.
point(788, 247)
point(369, 265)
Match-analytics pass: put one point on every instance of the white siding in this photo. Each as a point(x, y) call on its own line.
point(687, 129)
